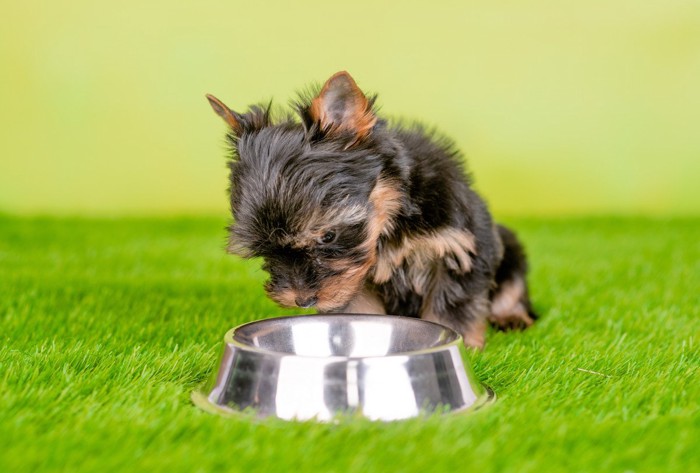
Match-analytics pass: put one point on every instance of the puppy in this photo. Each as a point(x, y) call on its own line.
point(353, 214)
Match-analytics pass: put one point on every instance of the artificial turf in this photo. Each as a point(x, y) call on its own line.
point(107, 325)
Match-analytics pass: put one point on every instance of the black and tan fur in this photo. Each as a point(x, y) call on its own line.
point(353, 214)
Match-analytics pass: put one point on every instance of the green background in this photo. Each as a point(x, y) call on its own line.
point(561, 107)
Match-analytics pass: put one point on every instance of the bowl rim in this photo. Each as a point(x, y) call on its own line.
point(229, 339)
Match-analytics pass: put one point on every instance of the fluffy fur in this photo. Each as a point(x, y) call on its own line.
point(352, 214)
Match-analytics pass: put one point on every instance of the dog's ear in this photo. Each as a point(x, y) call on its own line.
point(341, 107)
point(233, 119)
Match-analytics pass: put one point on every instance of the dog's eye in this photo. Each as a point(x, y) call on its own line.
point(327, 237)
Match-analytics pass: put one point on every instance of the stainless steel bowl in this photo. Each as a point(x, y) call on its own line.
point(321, 366)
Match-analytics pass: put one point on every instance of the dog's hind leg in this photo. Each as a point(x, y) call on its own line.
point(510, 301)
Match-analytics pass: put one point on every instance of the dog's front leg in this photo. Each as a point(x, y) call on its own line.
point(460, 303)
point(365, 302)
point(467, 319)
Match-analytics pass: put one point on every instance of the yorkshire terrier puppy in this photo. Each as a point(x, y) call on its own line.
point(353, 214)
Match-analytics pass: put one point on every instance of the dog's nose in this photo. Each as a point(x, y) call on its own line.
point(307, 302)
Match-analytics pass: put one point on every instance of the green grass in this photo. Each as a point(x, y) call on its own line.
point(107, 325)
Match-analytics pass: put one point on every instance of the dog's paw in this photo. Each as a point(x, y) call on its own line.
point(509, 307)
point(517, 319)
point(475, 335)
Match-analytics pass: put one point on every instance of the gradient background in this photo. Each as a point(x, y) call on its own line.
point(561, 107)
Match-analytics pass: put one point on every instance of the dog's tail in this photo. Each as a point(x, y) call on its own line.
point(510, 300)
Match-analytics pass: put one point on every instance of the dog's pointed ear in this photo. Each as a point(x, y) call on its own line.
point(341, 107)
point(233, 119)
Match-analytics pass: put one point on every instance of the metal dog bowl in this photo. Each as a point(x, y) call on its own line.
point(321, 366)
